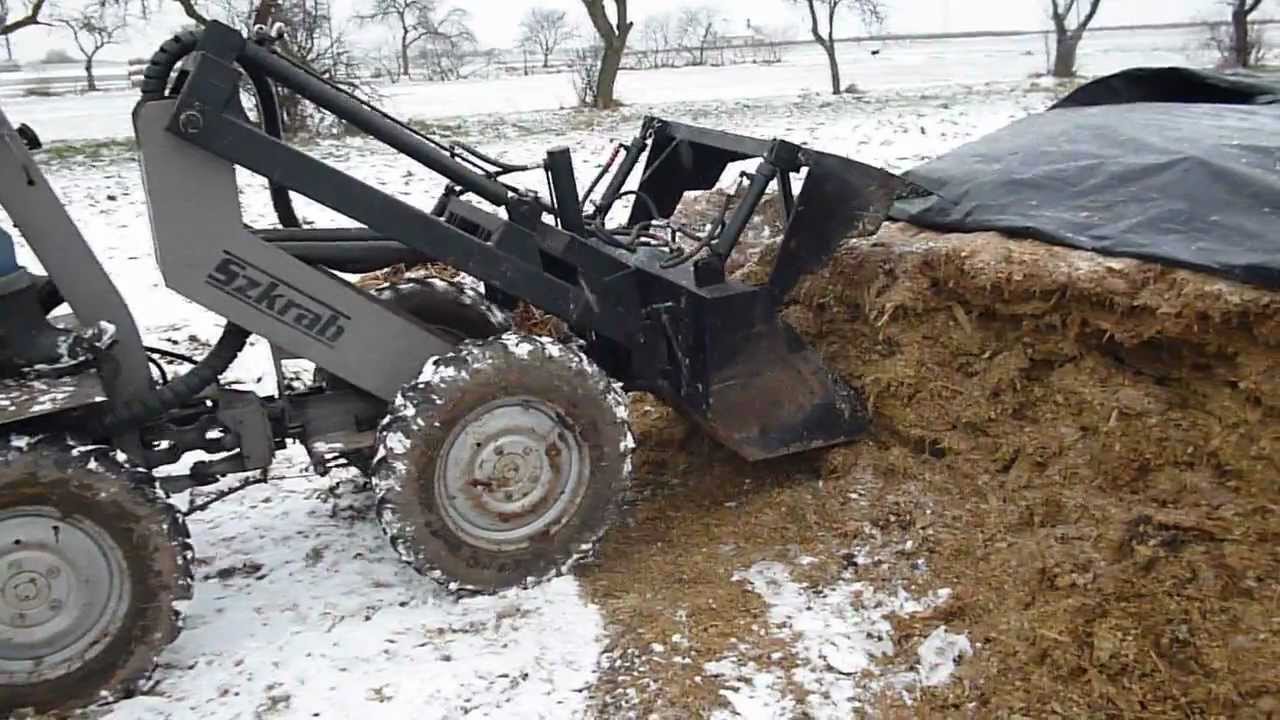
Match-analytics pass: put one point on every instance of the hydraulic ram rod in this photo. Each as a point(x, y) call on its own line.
point(371, 121)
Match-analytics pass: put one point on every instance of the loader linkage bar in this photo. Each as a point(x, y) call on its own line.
point(656, 316)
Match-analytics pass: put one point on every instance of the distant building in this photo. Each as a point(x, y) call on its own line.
point(752, 36)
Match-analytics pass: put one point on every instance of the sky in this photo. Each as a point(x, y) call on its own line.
point(496, 22)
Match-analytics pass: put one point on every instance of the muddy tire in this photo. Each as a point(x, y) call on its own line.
point(457, 311)
point(445, 307)
point(94, 563)
point(503, 464)
point(448, 308)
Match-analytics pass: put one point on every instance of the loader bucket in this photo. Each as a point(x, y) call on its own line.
point(841, 199)
point(767, 392)
point(744, 374)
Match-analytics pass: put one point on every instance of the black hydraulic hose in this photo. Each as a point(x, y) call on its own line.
point(505, 167)
point(181, 390)
point(273, 125)
point(287, 73)
point(155, 86)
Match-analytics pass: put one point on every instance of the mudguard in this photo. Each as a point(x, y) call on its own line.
point(26, 398)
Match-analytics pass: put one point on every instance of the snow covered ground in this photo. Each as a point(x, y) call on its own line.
point(302, 610)
point(922, 66)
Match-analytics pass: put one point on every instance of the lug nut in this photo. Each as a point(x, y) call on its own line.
point(55, 604)
point(53, 572)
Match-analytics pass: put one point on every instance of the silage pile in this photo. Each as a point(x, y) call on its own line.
point(1085, 450)
point(1097, 444)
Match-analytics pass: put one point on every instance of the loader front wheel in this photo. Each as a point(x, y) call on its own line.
point(93, 565)
point(503, 464)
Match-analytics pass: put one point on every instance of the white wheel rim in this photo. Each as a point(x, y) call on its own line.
point(511, 471)
point(64, 593)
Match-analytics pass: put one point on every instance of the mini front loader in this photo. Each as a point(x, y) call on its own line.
point(498, 458)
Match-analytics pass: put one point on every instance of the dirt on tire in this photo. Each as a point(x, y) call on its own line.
point(428, 412)
point(90, 482)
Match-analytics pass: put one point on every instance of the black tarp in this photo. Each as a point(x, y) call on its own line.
point(1171, 165)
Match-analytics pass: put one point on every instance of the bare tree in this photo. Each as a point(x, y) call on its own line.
point(445, 52)
point(1223, 42)
point(4, 21)
point(314, 41)
point(385, 62)
point(9, 27)
point(544, 30)
point(93, 28)
point(586, 73)
point(417, 20)
point(696, 32)
point(236, 13)
point(658, 39)
point(1068, 38)
point(822, 26)
point(1245, 48)
point(613, 35)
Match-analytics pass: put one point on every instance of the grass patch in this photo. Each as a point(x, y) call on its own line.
point(438, 128)
point(89, 149)
point(41, 91)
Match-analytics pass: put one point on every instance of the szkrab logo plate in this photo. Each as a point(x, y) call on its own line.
point(274, 297)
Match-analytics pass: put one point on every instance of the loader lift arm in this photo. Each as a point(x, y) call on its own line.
point(714, 348)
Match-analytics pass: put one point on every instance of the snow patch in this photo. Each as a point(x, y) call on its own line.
point(434, 372)
point(939, 654)
point(396, 442)
point(840, 637)
point(522, 346)
point(752, 693)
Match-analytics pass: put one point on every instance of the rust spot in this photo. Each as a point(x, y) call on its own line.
point(481, 483)
point(553, 459)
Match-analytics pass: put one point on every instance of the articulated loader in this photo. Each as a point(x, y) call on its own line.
point(498, 459)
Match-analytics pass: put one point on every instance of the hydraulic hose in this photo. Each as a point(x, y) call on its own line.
point(183, 389)
point(155, 86)
point(269, 110)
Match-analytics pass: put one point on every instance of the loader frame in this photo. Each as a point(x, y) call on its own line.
point(666, 320)
point(713, 347)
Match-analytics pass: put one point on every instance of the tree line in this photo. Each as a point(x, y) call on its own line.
point(434, 40)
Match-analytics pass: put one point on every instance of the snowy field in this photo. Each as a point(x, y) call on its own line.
point(922, 66)
point(303, 611)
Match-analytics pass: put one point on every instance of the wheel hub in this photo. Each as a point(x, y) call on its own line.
point(512, 469)
point(511, 477)
point(63, 593)
point(27, 591)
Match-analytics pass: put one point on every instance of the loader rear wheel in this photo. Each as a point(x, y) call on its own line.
point(93, 562)
point(503, 464)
